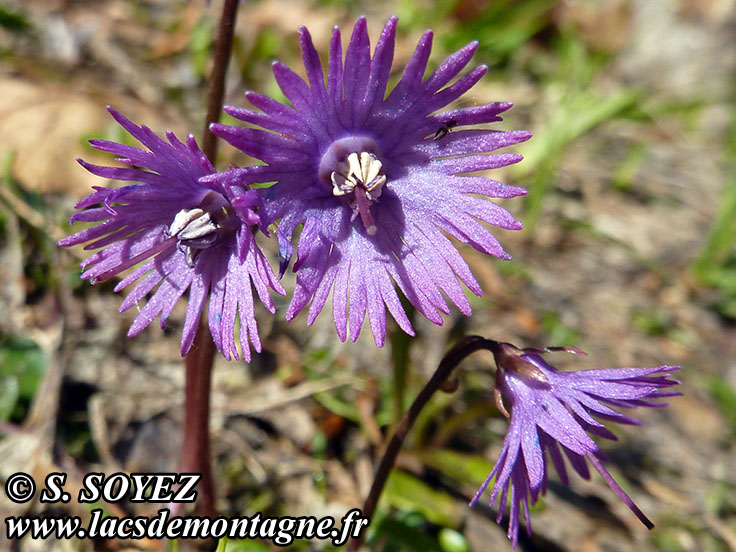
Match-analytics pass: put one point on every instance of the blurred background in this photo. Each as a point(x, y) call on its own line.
point(628, 253)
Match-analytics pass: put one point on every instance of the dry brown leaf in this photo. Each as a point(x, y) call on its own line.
point(45, 128)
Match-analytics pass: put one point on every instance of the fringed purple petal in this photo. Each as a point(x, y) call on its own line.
point(473, 163)
point(284, 125)
point(475, 115)
point(450, 68)
point(293, 87)
point(334, 69)
point(340, 300)
point(362, 252)
point(315, 75)
point(355, 77)
point(455, 90)
point(559, 412)
point(466, 142)
point(411, 79)
point(145, 224)
point(380, 70)
point(616, 488)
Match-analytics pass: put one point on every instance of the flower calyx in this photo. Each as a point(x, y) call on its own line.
point(510, 359)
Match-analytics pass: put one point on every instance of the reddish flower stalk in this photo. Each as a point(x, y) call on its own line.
point(448, 363)
point(195, 449)
point(195, 453)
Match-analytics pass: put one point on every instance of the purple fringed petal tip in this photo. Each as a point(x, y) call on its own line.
point(173, 234)
point(383, 174)
point(553, 412)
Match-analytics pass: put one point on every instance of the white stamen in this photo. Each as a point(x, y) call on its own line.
point(363, 171)
point(190, 224)
point(194, 229)
point(362, 176)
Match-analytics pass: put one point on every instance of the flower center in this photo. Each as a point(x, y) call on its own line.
point(360, 178)
point(355, 173)
point(198, 228)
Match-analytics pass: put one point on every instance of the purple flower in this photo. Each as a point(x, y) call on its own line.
point(180, 235)
point(552, 410)
point(374, 178)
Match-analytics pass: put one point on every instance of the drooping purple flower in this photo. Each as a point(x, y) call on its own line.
point(553, 410)
point(375, 179)
point(180, 235)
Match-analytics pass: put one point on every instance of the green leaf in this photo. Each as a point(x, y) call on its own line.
point(575, 112)
point(338, 405)
point(403, 537)
point(725, 397)
point(465, 468)
point(719, 241)
point(269, 44)
point(625, 174)
point(200, 44)
point(557, 331)
point(502, 28)
point(244, 546)
point(652, 321)
point(452, 541)
point(9, 393)
point(668, 539)
point(406, 492)
point(13, 21)
point(22, 359)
